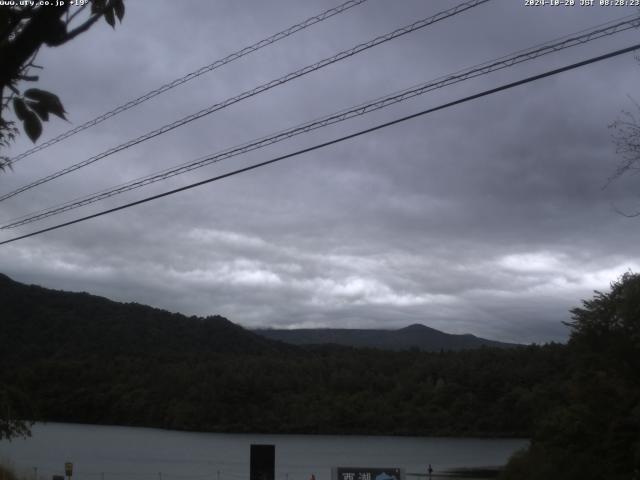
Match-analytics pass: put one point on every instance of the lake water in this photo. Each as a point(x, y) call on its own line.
point(119, 453)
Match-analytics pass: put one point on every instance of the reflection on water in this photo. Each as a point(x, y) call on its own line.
point(120, 453)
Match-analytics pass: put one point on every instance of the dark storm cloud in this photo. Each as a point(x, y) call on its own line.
point(487, 218)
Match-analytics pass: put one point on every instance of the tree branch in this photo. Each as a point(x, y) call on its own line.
point(82, 28)
point(624, 214)
point(27, 42)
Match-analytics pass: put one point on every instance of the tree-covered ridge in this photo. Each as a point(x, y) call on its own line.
point(43, 323)
point(82, 358)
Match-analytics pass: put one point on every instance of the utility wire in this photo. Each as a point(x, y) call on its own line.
point(257, 90)
point(190, 76)
point(334, 141)
point(594, 33)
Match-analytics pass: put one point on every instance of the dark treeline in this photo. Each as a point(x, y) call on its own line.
point(323, 390)
point(79, 358)
point(592, 430)
point(82, 358)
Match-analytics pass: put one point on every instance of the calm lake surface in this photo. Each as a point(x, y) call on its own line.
point(118, 453)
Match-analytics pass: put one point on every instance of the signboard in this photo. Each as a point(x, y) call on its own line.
point(262, 462)
point(68, 469)
point(364, 473)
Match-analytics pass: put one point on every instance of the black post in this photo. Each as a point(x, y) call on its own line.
point(263, 462)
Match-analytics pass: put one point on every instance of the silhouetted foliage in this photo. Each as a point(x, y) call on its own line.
point(14, 407)
point(626, 137)
point(24, 29)
point(594, 430)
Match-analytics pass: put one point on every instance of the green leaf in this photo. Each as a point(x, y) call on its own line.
point(118, 8)
point(37, 94)
point(40, 109)
point(48, 100)
point(109, 17)
point(20, 108)
point(32, 126)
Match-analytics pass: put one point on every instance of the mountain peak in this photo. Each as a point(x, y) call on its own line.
point(415, 327)
point(413, 336)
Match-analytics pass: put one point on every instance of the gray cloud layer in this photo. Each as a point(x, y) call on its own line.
point(487, 218)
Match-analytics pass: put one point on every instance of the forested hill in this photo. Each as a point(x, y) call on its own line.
point(415, 336)
point(54, 322)
point(75, 357)
point(41, 322)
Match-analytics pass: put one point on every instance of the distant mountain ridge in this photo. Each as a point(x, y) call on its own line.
point(414, 336)
point(44, 322)
point(51, 322)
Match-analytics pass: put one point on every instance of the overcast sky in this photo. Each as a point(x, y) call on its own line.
point(486, 218)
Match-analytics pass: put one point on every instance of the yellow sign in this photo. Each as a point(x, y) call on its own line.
point(68, 468)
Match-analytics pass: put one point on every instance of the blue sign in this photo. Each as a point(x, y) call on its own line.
point(357, 473)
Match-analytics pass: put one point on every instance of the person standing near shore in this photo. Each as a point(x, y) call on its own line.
point(429, 471)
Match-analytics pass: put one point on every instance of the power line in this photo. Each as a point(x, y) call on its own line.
point(594, 33)
point(192, 75)
point(334, 141)
point(257, 90)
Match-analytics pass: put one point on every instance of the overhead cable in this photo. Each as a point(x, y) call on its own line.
point(190, 76)
point(332, 142)
point(600, 31)
point(255, 91)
